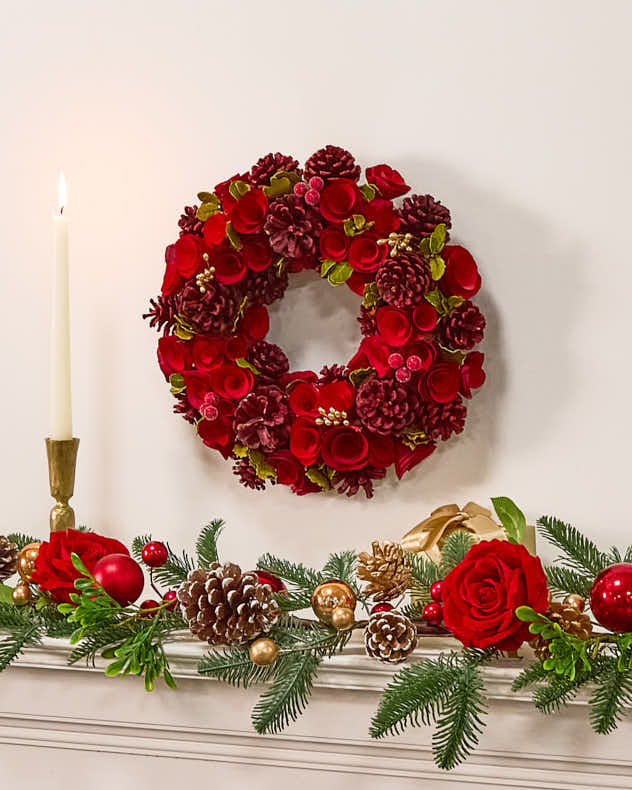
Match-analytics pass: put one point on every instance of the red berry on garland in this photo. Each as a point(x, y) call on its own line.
point(149, 608)
point(433, 613)
point(436, 590)
point(170, 598)
point(611, 597)
point(121, 577)
point(268, 578)
point(155, 554)
point(382, 607)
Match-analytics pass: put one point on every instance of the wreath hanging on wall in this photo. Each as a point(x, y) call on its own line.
point(403, 390)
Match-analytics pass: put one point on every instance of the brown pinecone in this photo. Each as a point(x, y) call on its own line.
point(212, 311)
point(265, 287)
point(247, 475)
point(351, 481)
point(384, 406)
point(269, 359)
point(368, 324)
point(224, 606)
point(463, 328)
point(268, 165)
point(386, 570)
point(161, 313)
point(420, 215)
point(441, 420)
point(331, 373)
point(570, 619)
point(403, 280)
point(293, 227)
point(8, 558)
point(261, 419)
point(183, 407)
point(390, 637)
point(332, 162)
point(189, 223)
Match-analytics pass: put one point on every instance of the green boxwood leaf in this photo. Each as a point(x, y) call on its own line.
point(511, 517)
point(316, 476)
point(233, 237)
point(207, 210)
point(326, 266)
point(438, 238)
point(238, 189)
point(244, 363)
point(437, 267)
point(176, 383)
point(369, 191)
point(6, 594)
point(340, 273)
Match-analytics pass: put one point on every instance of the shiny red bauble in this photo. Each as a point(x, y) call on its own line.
point(121, 577)
point(611, 597)
point(382, 607)
point(170, 598)
point(436, 590)
point(433, 613)
point(149, 608)
point(268, 578)
point(155, 554)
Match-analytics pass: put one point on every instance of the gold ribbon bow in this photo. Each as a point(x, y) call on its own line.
point(430, 535)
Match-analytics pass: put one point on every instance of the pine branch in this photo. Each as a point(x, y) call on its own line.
point(564, 580)
point(26, 633)
point(235, 667)
point(11, 616)
point(21, 539)
point(461, 720)
point(175, 570)
point(581, 554)
point(294, 573)
point(424, 574)
point(92, 643)
point(206, 546)
point(613, 692)
point(291, 601)
point(342, 565)
point(558, 692)
point(628, 554)
point(289, 694)
point(139, 542)
point(454, 550)
point(530, 675)
point(414, 610)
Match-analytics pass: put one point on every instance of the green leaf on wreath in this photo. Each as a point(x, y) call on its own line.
point(527, 614)
point(357, 376)
point(238, 189)
point(438, 238)
point(424, 247)
point(244, 363)
point(454, 302)
point(208, 208)
point(356, 224)
point(316, 476)
point(326, 266)
point(262, 468)
point(437, 267)
point(368, 192)
point(207, 197)
point(233, 237)
point(371, 295)
point(340, 273)
point(281, 183)
point(176, 382)
point(511, 517)
point(240, 450)
point(438, 301)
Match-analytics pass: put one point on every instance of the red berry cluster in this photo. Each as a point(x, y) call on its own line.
point(155, 554)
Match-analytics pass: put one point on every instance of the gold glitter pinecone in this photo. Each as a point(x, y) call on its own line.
point(224, 606)
point(8, 558)
point(390, 637)
point(570, 618)
point(386, 570)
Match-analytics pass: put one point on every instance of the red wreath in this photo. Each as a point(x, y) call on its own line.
point(404, 388)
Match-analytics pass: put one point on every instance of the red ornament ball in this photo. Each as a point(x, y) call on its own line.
point(268, 578)
point(433, 613)
point(382, 607)
point(611, 597)
point(149, 608)
point(170, 598)
point(436, 590)
point(121, 577)
point(155, 554)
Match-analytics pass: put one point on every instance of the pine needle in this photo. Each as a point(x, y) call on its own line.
point(454, 550)
point(206, 546)
point(234, 666)
point(612, 694)
point(580, 553)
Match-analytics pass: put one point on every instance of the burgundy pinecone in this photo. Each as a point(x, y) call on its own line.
point(212, 311)
point(268, 165)
point(293, 227)
point(261, 419)
point(403, 280)
point(352, 481)
point(247, 475)
point(420, 215)
point(384, 406)
point(265, 287)
point(441, 420)
point(269, 359)
point(463, 328)
point(368, 324)
point(189, 223)
point(331, 373)
point(183, 407)
point(161, 313)
point(332, 162)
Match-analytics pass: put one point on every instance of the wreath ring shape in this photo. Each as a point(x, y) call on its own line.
point(402, 392)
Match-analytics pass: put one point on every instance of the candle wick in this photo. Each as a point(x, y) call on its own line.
point(61, 211)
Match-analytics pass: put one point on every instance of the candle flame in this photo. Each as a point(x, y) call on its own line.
point(62, 192)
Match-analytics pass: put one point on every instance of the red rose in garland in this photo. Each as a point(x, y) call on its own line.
point(481, 595)
point(54, 571)
point(416, 367)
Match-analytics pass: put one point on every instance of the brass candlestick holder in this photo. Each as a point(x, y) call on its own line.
point(62, 461)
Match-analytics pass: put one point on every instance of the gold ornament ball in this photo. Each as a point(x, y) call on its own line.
point(331, 595)
point(263, 652)
point(342, 618)
point(576, 601)
point(21, 595)
point(26, 560)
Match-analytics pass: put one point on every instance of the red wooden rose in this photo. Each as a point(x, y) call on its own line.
point(403, 389)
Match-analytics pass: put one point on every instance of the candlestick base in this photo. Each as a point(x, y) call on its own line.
point(62, 462)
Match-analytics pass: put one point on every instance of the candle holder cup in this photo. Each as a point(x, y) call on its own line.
point(62, 462)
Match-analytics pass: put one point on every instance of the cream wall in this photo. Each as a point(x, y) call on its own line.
point(516, 115)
